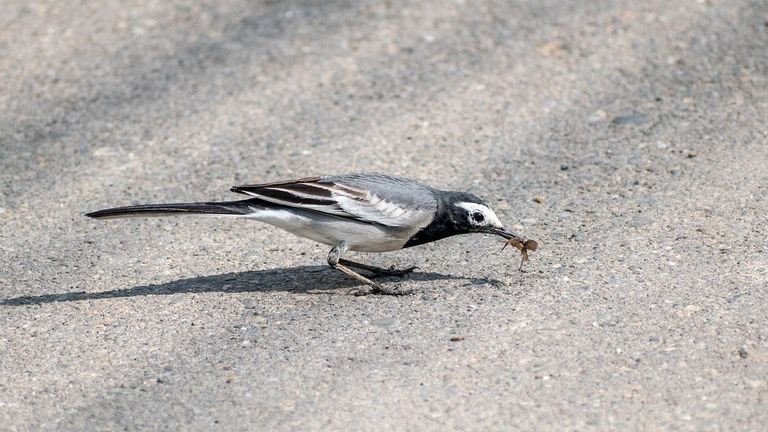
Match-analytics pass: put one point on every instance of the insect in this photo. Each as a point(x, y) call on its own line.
point(524, 246)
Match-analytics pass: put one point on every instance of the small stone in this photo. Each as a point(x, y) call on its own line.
point(597, 116)
point(633, 119)
point(538, 199)
point(743, 352)
point(554, 48)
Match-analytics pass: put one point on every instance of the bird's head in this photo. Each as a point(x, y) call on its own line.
point(470, 214)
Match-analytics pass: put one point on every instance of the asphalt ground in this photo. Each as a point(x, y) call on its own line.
point(627, 137)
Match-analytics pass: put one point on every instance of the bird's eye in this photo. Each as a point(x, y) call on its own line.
point(478, 217)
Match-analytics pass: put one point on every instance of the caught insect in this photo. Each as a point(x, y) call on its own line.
point(524, 246)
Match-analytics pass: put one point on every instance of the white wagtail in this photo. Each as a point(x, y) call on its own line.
point(353, 212)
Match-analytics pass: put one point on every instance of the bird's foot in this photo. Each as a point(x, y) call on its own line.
point(375, 287)
point(378, 271)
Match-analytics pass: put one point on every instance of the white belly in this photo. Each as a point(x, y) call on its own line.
point(360, 237)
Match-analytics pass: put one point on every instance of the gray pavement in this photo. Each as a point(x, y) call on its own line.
point(627, 137)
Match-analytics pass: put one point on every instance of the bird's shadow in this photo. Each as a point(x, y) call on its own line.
point(302, 279)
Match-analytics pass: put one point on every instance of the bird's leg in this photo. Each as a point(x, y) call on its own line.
point(378, 271)
point(335, 261)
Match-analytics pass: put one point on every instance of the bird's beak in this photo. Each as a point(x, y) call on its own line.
point(507, 234)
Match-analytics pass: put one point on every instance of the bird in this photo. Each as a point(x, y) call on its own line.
point(363, 212)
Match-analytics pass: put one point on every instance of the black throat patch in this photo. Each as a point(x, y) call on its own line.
point(445, 224)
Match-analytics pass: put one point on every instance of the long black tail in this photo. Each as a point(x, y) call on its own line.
point(232, 208)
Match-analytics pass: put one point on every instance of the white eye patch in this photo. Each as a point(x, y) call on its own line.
point(490, 217)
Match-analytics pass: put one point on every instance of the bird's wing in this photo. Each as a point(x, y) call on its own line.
point(374, 198)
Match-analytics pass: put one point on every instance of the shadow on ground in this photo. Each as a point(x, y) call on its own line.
point(302, 279)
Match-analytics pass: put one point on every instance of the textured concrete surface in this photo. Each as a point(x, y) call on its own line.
point(628, 137)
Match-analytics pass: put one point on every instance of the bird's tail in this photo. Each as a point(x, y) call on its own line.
point(227, 208)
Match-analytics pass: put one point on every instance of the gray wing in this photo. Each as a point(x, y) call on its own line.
point(374, 198)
